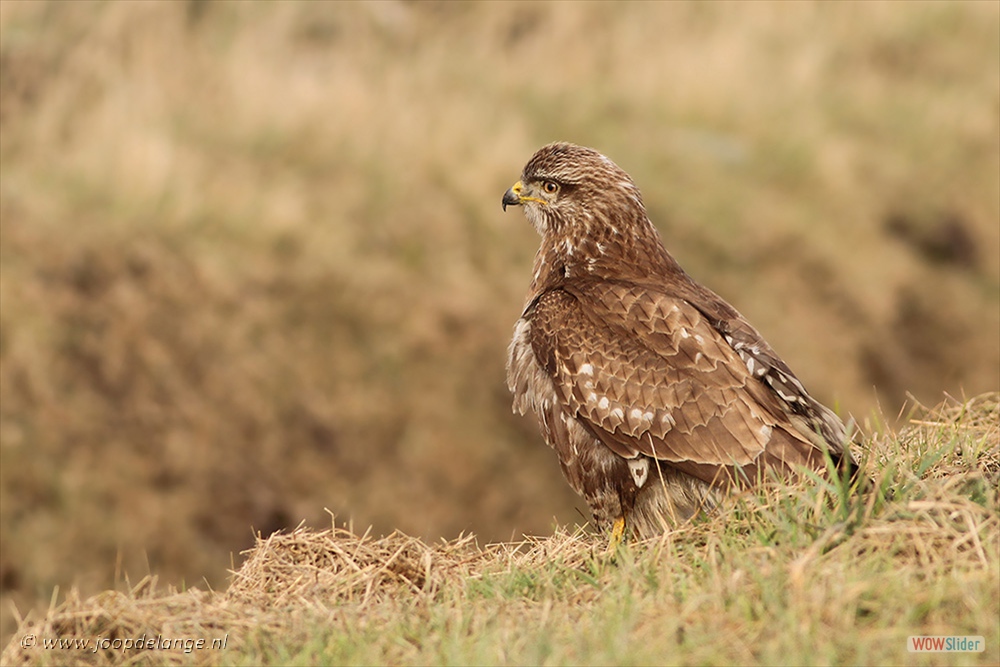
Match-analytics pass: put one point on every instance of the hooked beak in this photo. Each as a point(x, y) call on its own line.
point(513, 196)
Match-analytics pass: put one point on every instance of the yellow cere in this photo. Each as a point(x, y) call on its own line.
point(517, 187)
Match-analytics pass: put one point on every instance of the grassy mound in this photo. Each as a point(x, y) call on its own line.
point(790, 575)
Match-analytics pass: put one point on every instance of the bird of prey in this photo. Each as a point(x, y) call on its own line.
point(656, 394)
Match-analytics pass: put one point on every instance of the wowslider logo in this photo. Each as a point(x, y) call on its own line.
point(937, 644)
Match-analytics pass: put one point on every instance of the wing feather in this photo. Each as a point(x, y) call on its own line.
point(649, 374)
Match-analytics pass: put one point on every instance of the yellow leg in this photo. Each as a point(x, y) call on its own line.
point(617, 533)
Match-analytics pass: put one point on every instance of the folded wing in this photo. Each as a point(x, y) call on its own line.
point(649, 375)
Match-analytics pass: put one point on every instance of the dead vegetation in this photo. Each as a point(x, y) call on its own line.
point(868, 572)
point(285, 579)
point(337, 566)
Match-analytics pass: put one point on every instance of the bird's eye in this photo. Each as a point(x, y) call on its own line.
point(550, 186)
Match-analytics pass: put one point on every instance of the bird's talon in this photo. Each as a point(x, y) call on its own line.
point(617, 534)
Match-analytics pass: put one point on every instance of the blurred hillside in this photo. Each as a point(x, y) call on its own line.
point(254, 263)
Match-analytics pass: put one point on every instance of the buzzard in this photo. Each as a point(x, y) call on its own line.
point(656, 394)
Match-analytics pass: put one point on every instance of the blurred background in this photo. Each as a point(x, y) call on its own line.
point(254, 263)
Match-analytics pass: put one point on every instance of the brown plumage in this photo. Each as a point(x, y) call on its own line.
point(656, 394)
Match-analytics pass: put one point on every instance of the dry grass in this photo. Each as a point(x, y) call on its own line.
point(253, 263)
point(337, 566)
point(791, 575)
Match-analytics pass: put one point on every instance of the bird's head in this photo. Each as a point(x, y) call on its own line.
point(590, 215)
point(564, 185)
